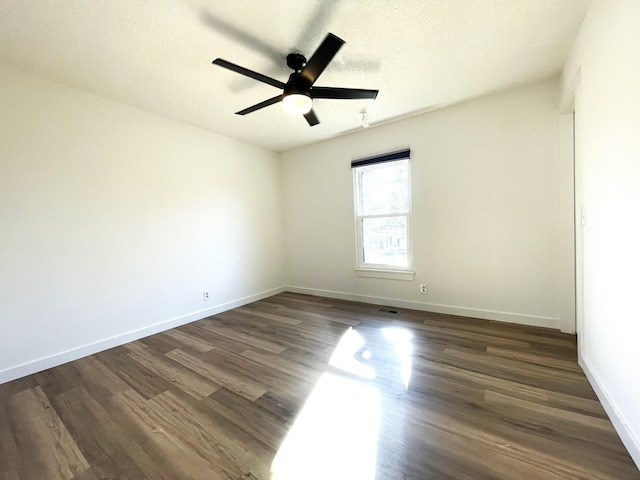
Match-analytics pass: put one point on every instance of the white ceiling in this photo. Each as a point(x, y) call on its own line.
point(420, 54)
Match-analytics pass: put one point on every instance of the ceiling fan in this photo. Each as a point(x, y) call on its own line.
point(299, 91)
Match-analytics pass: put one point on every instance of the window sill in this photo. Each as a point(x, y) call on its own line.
point(384, 273)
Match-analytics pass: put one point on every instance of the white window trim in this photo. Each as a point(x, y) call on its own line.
point(385, 273)
point(370, 270)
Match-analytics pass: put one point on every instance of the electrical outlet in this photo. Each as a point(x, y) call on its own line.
point(423, 288)
point(205, 296)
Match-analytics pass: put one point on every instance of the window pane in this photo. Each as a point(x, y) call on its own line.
point(384, 189)
point(384, 241)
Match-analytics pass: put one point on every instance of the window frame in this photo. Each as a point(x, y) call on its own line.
point(375, 270)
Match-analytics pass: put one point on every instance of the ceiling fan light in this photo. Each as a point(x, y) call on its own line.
point(297, 103)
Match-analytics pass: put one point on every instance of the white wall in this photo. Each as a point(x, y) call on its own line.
point(114, 220)
point(485, 210)
point(604, 72)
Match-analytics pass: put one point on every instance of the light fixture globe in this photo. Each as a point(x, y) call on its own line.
point(296, 97)
point(298, 103)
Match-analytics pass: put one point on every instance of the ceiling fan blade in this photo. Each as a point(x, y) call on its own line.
point(260, 105)
point(249, 73)
point(321, 58)
point(311, 118)
point(343, 93)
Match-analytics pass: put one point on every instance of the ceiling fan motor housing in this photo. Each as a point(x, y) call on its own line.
point(296, 61)
point(297, 84)
point(296, 95)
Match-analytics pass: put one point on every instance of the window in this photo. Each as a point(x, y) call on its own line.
point(382, 189)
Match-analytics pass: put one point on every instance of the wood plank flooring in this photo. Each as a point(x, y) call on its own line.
point(300, 387)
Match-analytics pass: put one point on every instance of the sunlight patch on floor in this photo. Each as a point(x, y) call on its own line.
point(344, 356)
point(403, 347)
point(335, 435)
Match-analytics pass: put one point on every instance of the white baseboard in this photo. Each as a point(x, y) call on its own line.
point(518, 318)
point(40, 364)
point(629, 438)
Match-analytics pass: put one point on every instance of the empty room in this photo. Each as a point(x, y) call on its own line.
point(319, 239)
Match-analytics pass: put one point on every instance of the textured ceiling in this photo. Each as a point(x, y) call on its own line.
point(420, 54)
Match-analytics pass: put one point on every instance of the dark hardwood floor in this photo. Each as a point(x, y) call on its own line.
point(299, 387)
